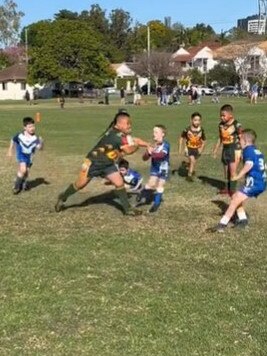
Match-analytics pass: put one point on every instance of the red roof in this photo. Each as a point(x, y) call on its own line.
point(15, 72)
point(193, 51)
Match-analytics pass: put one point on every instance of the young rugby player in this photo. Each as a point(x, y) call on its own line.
point(100, 161)
point(26, 143)
point(159, 171)
point(229, 137)
point(194, 139)
point(255, 181)
point(132, 179)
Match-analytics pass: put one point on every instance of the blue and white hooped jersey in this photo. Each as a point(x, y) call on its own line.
point(132, 178)
point(25, 144)
point(256, 177)
point(161, 164)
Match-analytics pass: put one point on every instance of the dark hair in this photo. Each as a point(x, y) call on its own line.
point(196, 113)
point(28, 121)
point(250, 134)
point(162, 127)
point(120, 113)
point(227, 108)
point(123, 163)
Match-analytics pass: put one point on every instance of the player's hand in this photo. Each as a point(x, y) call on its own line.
point(214, 155)
point(9, 154)
point(234, 178)
point(150, 150)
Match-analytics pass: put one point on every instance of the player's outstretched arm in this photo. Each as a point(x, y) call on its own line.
point(141, 143)
point(129, 149)
point(10, 149)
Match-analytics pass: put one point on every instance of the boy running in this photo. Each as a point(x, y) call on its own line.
point(194, 139)
point(26, 143)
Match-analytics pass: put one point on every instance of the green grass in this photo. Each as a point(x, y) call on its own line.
point(88, 281)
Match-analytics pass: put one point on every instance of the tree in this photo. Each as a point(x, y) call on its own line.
point(158, 66)
point(4, 60)
point(97, 19)
point(75, 57)
point(9, 23)
point(223, 74)
point(119, 31)
point(66, 15)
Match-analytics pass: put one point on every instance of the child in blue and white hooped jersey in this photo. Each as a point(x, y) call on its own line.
point(25, 143)
point(254, 172)
point(159, 154)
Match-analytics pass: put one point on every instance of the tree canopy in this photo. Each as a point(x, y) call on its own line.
point(67, 50)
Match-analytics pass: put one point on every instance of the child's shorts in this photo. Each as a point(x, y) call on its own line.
point(193, 152)
point(253, 191)
point(160, 173)
point(22, 158)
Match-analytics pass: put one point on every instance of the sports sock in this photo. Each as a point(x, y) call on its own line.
point(224, 220)
point(122, 195)
point(157, 198)
point(68, 192)
point(241, 214)
point(18, 183)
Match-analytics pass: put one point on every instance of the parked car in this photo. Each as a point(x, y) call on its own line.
point(112, 90)
point(229, 91)
point(206, 90)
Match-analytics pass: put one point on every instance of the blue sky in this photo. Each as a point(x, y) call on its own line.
point(220, 14)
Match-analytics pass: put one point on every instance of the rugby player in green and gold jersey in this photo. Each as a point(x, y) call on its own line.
point(101, 161)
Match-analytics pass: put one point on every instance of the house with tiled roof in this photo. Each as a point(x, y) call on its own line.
point(200, 57)
point(13, 82)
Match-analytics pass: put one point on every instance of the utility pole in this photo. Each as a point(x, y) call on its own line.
point(262, 17)
point(26, 46)
point(148, 61)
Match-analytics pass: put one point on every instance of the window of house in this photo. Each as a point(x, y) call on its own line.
point(4, 86)
point(23, 86)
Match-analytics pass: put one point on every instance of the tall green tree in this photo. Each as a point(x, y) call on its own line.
point(66, 15)
point(10, 18)
point(120, 32)
point(67, 50)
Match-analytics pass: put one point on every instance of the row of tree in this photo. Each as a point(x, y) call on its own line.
point(80, 46)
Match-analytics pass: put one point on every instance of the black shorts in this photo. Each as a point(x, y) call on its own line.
point(98, 170)
point(228, 154)
point(193, 152)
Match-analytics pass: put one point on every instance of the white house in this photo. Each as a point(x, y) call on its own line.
point(200, 57)
point(124, 70)
point(13, 83)
point(250, 59)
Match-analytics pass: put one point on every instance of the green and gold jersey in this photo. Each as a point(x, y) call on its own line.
point(108, 149)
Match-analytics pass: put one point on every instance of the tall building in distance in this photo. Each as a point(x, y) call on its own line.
point(256, 24)
point(168, 21)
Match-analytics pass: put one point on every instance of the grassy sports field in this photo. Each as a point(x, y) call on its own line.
point(88, 281)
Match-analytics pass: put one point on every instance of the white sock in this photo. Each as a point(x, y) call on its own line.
point(224, 220)
point(242, 215)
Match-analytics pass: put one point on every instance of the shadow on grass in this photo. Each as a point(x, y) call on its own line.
point(36, 182)
point(182, 170)
point(104, 198)
point(221, 205)
point(216, 183)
